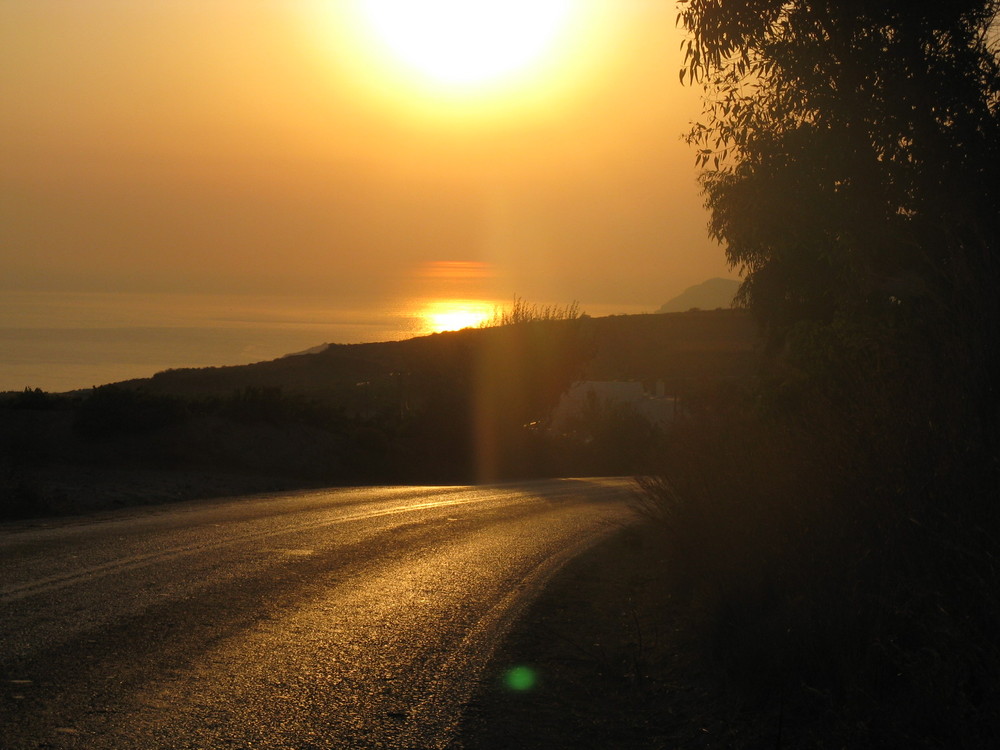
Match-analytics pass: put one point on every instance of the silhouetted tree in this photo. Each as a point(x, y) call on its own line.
point(852, 152)
point(851, 155)
point(852, 169)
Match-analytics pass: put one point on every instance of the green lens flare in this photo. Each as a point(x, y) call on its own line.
point(521, 678)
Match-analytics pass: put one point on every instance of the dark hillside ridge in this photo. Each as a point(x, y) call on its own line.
point(678, 348)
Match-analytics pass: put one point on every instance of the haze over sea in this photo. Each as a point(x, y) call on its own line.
point(66, 341)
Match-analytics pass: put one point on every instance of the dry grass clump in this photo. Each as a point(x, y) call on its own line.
point(521, 311)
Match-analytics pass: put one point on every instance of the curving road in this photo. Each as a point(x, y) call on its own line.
point(319, 619)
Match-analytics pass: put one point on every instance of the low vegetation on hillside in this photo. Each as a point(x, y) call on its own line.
point(459, 407)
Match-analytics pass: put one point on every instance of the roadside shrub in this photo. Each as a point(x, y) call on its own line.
point(609, 440)
point(21, 500)
point(33, 400)
point(112, 411)
point(839, 559)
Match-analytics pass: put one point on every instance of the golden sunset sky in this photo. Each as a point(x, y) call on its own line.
point(305, 166)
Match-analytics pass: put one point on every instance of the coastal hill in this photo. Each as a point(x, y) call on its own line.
point(679, 349)
point(457, 407)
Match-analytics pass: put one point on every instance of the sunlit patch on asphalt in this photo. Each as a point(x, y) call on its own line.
point(520, 678)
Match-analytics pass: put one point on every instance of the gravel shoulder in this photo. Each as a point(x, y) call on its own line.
point(590, 664)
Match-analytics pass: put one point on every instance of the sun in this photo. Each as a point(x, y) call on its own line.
point(467, 44)
point(454, 315)
point(468, 64)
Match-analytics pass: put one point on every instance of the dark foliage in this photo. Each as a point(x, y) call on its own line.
point(111, 411)
point(858, 149)
point(33, 400)
point(834, 528)
point(838, 564)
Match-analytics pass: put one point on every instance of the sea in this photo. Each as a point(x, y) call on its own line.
point(68, 341)
point(62, 342)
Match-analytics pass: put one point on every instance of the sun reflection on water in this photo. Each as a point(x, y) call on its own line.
point(454, 314)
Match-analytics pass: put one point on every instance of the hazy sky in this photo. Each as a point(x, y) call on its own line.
point(282, 150)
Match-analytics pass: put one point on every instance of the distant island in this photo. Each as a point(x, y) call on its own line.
point(709, 295)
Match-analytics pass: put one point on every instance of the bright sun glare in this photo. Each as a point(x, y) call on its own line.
point(462, 44)
point(467, 61)
point(453, 315)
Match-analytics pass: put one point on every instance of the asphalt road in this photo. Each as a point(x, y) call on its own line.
point(319, 619)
